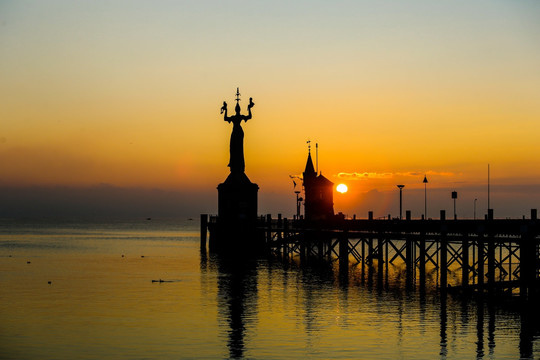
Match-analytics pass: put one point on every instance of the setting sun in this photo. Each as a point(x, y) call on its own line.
point(342, 188)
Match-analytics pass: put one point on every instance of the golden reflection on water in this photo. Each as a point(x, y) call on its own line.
point(101, 304)
point(284, 310)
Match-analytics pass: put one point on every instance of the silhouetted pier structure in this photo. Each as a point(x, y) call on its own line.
point(489, 254)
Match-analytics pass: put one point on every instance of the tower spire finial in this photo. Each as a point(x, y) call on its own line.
point(309, 146)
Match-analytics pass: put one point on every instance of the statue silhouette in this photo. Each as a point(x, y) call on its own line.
point(236, 160)
point(237, 195)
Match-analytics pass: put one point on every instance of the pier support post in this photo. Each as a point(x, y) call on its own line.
point(370, 252)
point(286, 229)
point(409, 259)
point(422, 244)
point(268, 229)
point(444, 253)
point(279, 226)
point(528, 261)
point(490, 252)
point(204, 230)
point(481, 261)
point(380, 258)
point(303, 252)
point(343, 259)
point(363, 249)
point(491, 262)
point(465, 261)
point(343, 250)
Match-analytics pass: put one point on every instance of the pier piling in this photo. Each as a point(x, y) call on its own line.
point(443, 252)
point(204, 230)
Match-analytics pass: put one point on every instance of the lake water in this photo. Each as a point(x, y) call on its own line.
point(101, 303)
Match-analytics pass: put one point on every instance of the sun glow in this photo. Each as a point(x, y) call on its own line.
point(342, 188)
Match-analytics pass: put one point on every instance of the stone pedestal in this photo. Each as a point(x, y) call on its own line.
point(237, 199)
point(237, 217)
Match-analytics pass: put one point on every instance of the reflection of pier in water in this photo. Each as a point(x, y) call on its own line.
point(462, 321)
point(491, 257)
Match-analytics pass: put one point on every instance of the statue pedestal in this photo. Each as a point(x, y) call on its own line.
point(237, 216)
point(237, 199)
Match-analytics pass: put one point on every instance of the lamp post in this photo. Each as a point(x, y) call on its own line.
point(488, 190)
point(298, 201)
point(400, 200)
point(475, 208)
point(425, 197)
point(454, 196)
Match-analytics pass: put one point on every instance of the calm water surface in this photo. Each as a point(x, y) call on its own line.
point(102, 304)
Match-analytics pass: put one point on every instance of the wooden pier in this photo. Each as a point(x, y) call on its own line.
point(490, 254)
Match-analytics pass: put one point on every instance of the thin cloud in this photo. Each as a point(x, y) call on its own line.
point(441, 173)
point(389, 175)
point(364, 176)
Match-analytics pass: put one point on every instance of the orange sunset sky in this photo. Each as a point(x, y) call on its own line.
point(103, 103)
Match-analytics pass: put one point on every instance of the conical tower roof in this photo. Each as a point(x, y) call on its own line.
point(310, 169)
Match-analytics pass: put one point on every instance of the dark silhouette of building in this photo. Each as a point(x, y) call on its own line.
point(319, 194)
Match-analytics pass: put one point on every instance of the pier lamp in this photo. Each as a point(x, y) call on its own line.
point(400, 200)
point(454, 196)
point(298, 202)
point(425, 196)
